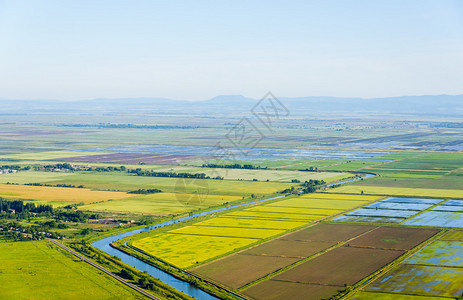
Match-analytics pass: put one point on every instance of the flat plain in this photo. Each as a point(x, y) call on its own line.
point(39, 270)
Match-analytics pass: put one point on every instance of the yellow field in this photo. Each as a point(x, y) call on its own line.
point(252, 233)
point(273, 215)
point(264, 224)
point(340, 197)
point(395, 191)
point(185, 250)
point(293, 210)
point(318, 203)
point(160, 203)
point(57, 196)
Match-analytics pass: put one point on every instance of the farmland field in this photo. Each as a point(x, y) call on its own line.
point(328, 232)
point(232, 272)
point(57, 196)
point(39, 270)
point(454, 235)
point(286, 248)
point(160, 203)
point(253, 233)
point(291, 210)
point(394, 238)
point(422, 280)
point(390, 210)
point(235, 270)
point(45, 155)
point(289, 248)
point(343, 265)
point(365, 250)
point(434, 270)
point(251, 229)
point(437, 218)
point(275, 289)
point(278, 216)
point(439, 253)
point(184, 250)
point(310, 202)
point(271, 175)
point(390, 296)
point(250, 223)
point(128, 182)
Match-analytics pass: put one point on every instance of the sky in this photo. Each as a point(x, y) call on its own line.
point(195, 50)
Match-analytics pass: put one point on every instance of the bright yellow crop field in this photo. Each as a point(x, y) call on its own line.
point(57, 196)
point(397, 191)
point(249, 223)
point(294, 210)
point(318, 203)
point(340, 197)
point(253, 233)
point(185, 250)
point(161, 203)
point(273, 215)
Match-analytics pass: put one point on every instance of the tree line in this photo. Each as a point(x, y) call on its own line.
point(140, 172)
point(19, 206)
point(234, 166)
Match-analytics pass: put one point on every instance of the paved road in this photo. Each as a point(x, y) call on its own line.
point(104, 270)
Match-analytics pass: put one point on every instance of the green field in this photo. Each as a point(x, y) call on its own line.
point(39, 270)
point(262, 175)
point(161, 203)
point(352, 165)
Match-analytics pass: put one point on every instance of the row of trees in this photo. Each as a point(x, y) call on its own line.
point(19, 206)
point(140, 172)
point(56, 185)
point(14, 167)
point(147, 191)
point(234, 166)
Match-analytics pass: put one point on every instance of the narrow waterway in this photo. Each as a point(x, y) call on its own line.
point(180, 285)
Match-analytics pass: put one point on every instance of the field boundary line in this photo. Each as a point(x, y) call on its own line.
point(120, 279)
point(396, 293)
point(436, 266)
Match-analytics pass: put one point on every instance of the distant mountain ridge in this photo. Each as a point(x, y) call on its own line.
point(238, 104)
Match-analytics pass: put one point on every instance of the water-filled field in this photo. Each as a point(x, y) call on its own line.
point(422, 280)
point(247, 153)
point(438, 219)
point(435, 270)
point(326, 255)
point(390, 210)
point(399, 191)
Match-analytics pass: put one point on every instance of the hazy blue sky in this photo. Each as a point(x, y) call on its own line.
point(198, 49)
